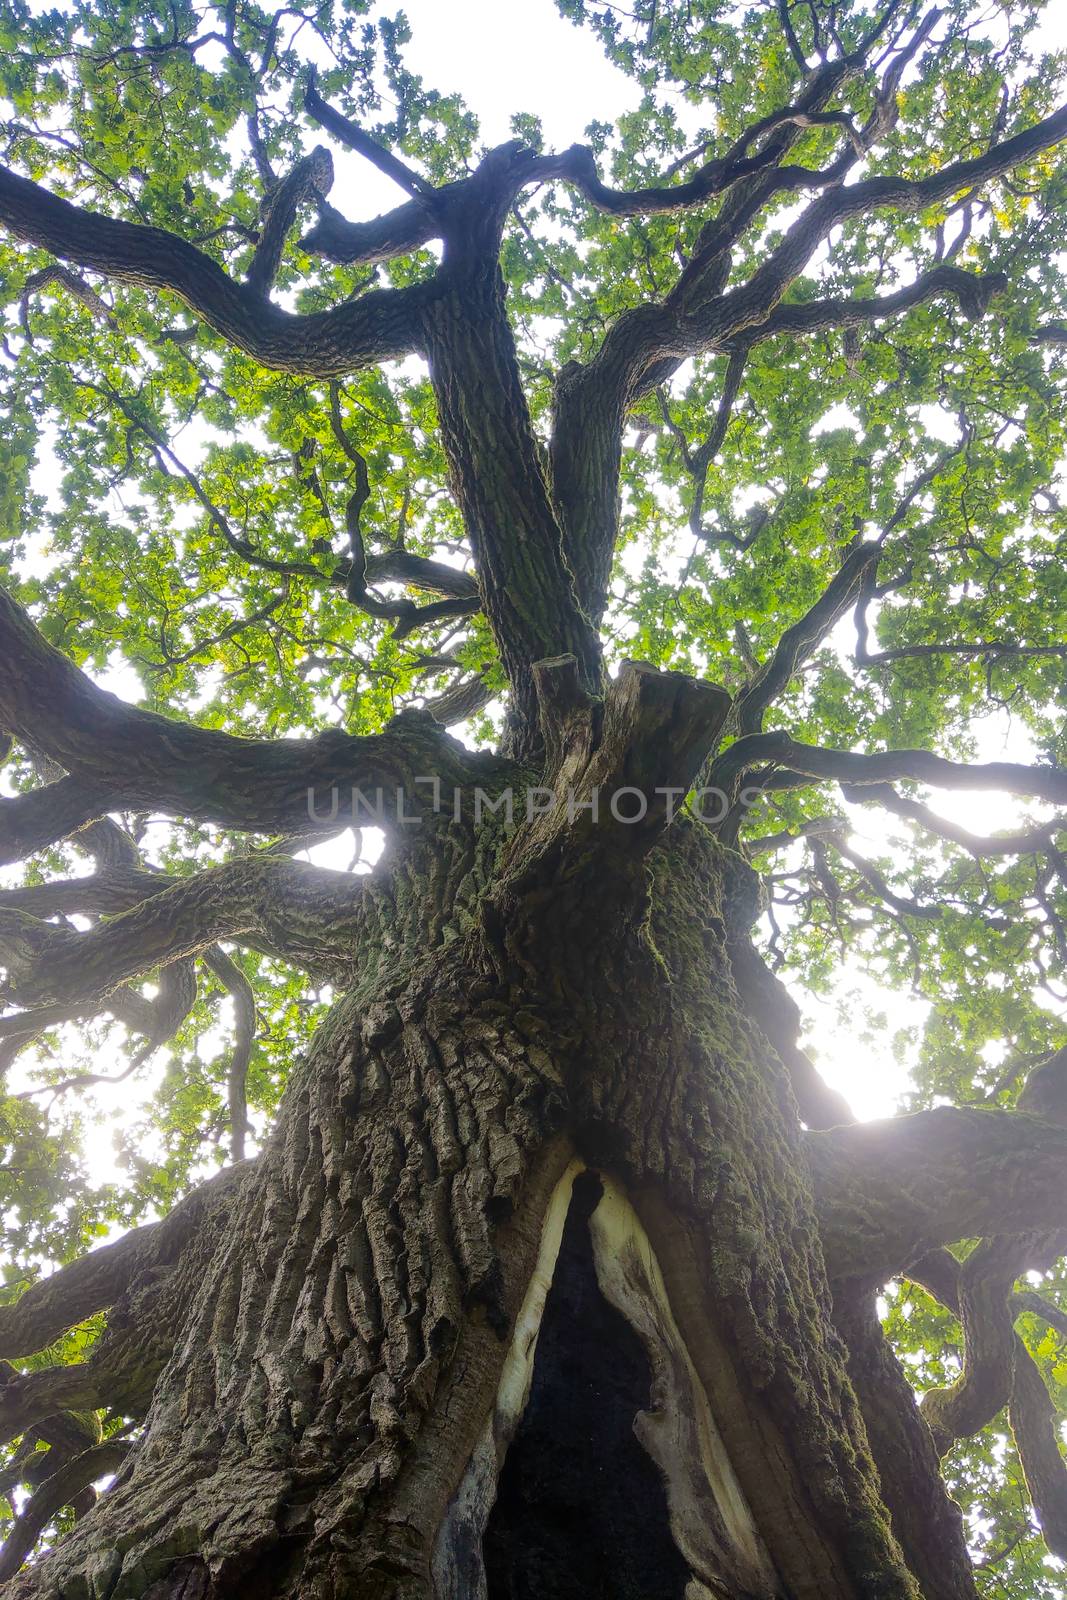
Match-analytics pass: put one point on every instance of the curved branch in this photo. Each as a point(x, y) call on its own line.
point(751, 304)
point(805, 762)
point(984, 1386)
point(381, 325)
point(403, 612)
point(1031, 1413)
point(301, 912)
point(82, 291)
point(94, 1281)
point(123, 757)
point(58, 1491)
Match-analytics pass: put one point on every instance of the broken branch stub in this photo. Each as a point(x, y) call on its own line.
point(621, 764)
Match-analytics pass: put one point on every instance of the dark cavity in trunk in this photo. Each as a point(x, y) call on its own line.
point(581, 1509)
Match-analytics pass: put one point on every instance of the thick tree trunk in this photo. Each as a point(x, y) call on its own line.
point(525, 1295)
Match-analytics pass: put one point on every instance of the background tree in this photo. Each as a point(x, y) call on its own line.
point(760, 387)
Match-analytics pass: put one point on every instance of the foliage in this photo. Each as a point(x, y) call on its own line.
point(173, 514)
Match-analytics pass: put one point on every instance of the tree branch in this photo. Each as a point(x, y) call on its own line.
point(803, 763)
point(243, 996)
point(350, 134)
point(56, 1492)
point(31, 821)
point(769, 1002)
point(985, 1383)
point(290, 908)
point(927, 1522)
point(125, 757)
point(1008, 844)
point(888, 1192)
point(1035, 1426)
point(973, 290)
point(95, 1281)
point(72, 283)
point(751, 304)
point(1031, 1413)
point(381, 325)
point(797, 642)
point(404, 613)
point(311, 177)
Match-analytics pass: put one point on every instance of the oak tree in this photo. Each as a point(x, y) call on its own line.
point(487, 1230)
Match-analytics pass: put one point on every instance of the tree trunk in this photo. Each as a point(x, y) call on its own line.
point(525, 1295)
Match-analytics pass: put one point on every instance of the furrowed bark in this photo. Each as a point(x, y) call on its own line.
point(558, 1073)
point(340, 1355)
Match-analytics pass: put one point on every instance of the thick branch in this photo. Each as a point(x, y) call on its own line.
point(29, 822)
point(126, 757)
point(985, 1383)
point(888, 1192)
point(617, 770)
point(291, 908)
point(421, 572)
point(494, 457)
point(769, 1002)
point(379, 326)
point(1035, 1426)
point(55, 1493)
point(97, 1280)
point(27, 1397)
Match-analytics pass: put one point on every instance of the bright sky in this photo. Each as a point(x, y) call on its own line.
point(503, 58)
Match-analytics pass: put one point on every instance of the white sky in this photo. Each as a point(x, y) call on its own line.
point(507, 57)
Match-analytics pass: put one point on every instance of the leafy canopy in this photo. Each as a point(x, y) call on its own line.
point(174, 514)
